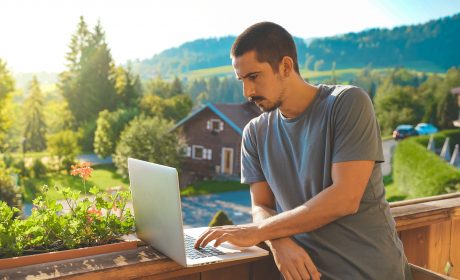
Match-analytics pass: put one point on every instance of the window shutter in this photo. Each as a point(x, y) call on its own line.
point(209, 154)
point(221, 126)
point(209, 125)
point(188, 152)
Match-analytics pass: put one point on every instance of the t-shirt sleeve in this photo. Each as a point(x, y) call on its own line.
point(356, 131)
point(251, 170)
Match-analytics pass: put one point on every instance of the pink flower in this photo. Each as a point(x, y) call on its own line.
point(82, 169)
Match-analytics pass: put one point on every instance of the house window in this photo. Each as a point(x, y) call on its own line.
point(199, 152)
point(215, 125)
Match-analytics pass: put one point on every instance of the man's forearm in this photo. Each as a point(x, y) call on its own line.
point(260, 213)
point(322, 209)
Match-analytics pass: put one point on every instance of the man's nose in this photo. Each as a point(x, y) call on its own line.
point(248, 90)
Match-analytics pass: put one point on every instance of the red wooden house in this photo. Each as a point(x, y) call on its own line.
point(213, 136)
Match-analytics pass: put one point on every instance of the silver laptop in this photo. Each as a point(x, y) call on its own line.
point(158, 215)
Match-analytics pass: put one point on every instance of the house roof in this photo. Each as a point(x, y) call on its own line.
point(455, 90)
point(235, 115)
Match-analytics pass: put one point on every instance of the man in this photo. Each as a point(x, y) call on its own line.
point(313, 163)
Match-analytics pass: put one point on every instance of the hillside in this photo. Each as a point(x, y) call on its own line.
point(194, 55)
point(431, 46)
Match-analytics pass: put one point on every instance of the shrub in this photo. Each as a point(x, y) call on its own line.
point(9, 192)
point(420, 172)
point(64, 146)
point(109, 127)
point(38, 168)
point(149, 139)
point(220, 219)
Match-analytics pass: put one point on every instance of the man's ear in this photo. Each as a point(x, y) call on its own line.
point(286, 66)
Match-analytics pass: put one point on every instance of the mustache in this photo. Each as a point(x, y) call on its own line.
point(255, 98)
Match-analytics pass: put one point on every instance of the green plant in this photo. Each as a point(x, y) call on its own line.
point(38, 168)
point(420, 173)
point(64, 146)
point(89, 221)
point(9, 192)
point(220, 219)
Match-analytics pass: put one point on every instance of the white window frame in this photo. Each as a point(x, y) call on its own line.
point(220, 125)
point(194, 147)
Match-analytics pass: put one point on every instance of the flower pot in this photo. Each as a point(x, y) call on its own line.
point(67, 254)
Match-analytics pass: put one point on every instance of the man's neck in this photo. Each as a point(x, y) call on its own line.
point(299, 96)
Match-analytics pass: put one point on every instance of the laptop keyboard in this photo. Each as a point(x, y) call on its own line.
point(193, 253)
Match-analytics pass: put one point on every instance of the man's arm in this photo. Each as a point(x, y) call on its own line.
point(342, 198)
point(292, 260)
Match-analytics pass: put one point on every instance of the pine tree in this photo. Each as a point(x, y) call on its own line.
point(35, 127)
point(128, 87)
point(6, 89)
point(88, 85)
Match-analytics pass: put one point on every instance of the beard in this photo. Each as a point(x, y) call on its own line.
point(271, 106)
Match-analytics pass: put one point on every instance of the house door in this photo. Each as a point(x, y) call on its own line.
point(227, 161)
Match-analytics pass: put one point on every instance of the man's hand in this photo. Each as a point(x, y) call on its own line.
point(241, 235)
point(292, 260)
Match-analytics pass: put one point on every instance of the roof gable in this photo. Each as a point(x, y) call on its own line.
point(235, 115)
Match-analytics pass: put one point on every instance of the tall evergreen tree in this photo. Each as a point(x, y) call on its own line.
point(88, 85)
point(35, 126)
point(128, 87)
point(6, 89)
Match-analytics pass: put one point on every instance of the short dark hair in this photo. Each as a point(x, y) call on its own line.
point(270, 41)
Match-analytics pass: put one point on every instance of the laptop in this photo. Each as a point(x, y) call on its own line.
point(158, 216)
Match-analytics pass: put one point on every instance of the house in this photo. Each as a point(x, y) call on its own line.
point(456, 91)
point(213, 136)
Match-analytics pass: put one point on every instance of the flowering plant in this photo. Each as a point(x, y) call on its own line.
point(83, 170)
point(100, 219)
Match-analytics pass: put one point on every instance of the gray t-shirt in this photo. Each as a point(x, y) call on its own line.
point(295, 157)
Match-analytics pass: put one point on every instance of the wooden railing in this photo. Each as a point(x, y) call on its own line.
point(429, 229)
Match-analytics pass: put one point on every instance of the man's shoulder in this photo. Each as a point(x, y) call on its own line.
point(257, 122)
point(346, 93)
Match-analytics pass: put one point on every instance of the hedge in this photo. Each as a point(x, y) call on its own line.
point(419, 172)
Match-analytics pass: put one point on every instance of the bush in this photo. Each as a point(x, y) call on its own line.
point(220, 219)
point(38, 168)
point(109, 127)
point(419, 172)
point(86, 136)
point(20, 167)
point(9, 192)
point(64, 146)
point(149, 139)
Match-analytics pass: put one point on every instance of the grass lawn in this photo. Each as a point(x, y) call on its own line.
point(32, 155)
point(392, 193)
point(209, 187)
point(104, 177)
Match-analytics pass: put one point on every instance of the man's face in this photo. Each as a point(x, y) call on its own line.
point(261, 84)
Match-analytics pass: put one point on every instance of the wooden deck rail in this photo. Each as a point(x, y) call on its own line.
point(429, 229)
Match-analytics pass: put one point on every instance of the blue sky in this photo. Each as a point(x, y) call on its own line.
point(35, 33)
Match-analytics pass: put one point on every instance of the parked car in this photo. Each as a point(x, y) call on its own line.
point(426, 128)
point(403, 131)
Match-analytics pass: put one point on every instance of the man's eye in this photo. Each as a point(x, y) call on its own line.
point(252, 77)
